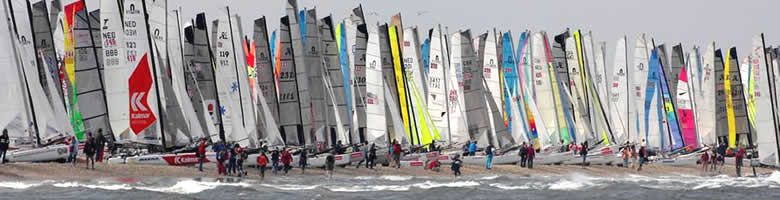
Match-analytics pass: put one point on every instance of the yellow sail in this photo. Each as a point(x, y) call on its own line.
point(729, 104)
point(425, 132)
point(399, 79)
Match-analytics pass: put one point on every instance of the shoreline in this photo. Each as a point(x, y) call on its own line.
point(64, 171)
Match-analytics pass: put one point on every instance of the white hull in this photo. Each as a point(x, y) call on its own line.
point(48, 153)
point(690, 159)
point(183, 159)
point(553, 158)
point(506, 159)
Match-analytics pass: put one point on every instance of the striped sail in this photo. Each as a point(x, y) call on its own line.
point(375, 91)
point(400, 82)
point(242, 74)
point(765, 121)
point(563, 136)
point(116, 70)
point(510, 88)
point(707, 106)
point(736, 107)
point(746, 74)
point(618, 93)
point(670, 110)
point(693, 76)
point(303, 96)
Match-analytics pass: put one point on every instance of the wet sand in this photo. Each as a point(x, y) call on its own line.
point(23, 171)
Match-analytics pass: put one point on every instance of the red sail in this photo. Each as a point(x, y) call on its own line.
point(141, 115)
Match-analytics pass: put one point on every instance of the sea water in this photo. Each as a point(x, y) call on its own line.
point(571, 186)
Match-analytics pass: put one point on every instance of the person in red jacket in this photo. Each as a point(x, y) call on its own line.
point(738, 157)
point(201, 153)
point(286, 160)
point(262, 162)
point(397, 154)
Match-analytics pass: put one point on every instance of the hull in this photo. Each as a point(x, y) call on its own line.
point(506, 159)
point(421, 156)
point(49, 153)
point(553, 158)
point(184, 159)
point(690, 159)
point(413, 164)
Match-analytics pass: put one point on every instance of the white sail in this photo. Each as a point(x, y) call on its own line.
point(229, 84)
point(179, 83)
point(12, 110)
point(583, 129)
point(375, 94)
point(458, 126)
point(414, 77)
point(145, 126)
point(544, 94)
point(60, 115)
point(398, 127)
point(707, 105)
point(116, 70)
point(693, 71)
point(438, 84)
point(491, 74)
point(618, 94)
point(356, 41)
point(637, 93)
point(765, 122)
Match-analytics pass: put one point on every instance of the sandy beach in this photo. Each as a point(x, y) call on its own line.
point(23, 171)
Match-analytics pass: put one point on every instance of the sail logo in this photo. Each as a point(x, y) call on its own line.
point(140, 84)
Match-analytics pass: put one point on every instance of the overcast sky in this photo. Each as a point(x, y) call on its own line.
point(690, 22)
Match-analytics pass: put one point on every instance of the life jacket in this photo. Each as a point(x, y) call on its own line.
point(262, 161)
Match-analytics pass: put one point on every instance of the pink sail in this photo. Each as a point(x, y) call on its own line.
point(685, 110)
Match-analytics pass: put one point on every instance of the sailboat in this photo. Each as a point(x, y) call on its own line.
point(767, 138)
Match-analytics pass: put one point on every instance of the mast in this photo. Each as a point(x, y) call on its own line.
point(772, 93)
point(100, 74)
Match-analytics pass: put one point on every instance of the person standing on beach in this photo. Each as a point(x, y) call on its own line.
point(286, 160)
point(364, 149)
point(371, 156)
point(221, 154)
point(642, 157)
point(584, 152)
point(705, 158)
point(473, 149)
point(466, 148)
point(738, 157)
point(275, 161)
point(339, 147)
point(625, 156)
point(523, 154)
point(240, 156)
point(303, 160)
point(456, 164)
point(531, 154)
point(397, 154)
point(89, 150)
point(262, 162)
point(4, 145)
point(633, 156)
point(100, 144)
point(201, 153)
point(489, 154)
point(330, 161)
point(74, 150)
point(232, 160)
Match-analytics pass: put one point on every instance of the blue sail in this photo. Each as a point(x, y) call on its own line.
point(671, 117)
point(273, 48)
point(520, 93)
point(426, 48)
point(344, 61)
point(302, 22)
point(652, 80)
point(510, 77)
point(566, 113)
